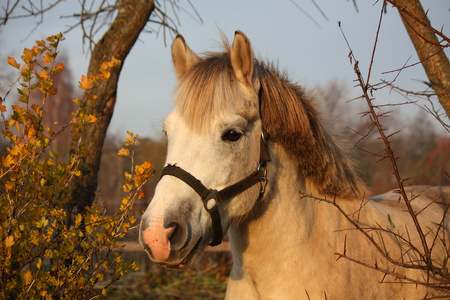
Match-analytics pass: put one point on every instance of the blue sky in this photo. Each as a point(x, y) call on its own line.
point(313, 53)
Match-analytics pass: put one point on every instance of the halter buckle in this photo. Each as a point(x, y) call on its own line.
point(262, 173)
point(212, 201)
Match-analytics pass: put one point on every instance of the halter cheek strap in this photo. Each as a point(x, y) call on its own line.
point(211, 198)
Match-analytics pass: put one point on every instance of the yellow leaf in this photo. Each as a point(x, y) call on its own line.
point(47, 58)
point(9, 185)
point(78, 219)
point(125, 200)
point(147, 164)
point(16, 150)
point(41, 223)
point(35, 50)
point(124, 152)
point(36, 108)
point(8, 161)
point(135, 266)
point(114, 62)
point(92, 118)
point(127, 187)
point(31, 132)
point(139, 170)
point(42, 74)
point(132, 219)
point(85, 83)
point(27, 276)
point(58, 69)
point(106, 75)
point(12, 61)
point(48, 253)
point(9, 241)
point(128, 141)
point(40, 43)
point(24, 70)
point(27, 55)
point(38, 264)
point(51, 91)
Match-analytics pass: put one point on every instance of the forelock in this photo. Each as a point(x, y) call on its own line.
point(208, 89)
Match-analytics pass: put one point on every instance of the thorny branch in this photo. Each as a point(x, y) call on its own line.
point(436, 113)
point(418, 258)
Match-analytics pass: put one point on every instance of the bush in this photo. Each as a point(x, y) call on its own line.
point(47, 252)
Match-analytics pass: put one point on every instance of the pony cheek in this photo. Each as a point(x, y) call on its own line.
point(240, 206)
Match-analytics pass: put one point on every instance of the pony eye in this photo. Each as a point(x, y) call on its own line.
point(231, 135)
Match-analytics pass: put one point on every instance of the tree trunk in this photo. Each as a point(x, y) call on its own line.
point(429, 50)
point(117, 42)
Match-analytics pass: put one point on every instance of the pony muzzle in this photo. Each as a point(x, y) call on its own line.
point(169, 242)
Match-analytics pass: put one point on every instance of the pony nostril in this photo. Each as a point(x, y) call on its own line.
point(177, 219)
point(179, 236)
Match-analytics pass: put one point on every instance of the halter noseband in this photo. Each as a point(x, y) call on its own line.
point(211, 198)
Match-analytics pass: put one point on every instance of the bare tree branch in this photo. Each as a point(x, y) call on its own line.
point(410, 256)
point(31, 10)
point(428, 48)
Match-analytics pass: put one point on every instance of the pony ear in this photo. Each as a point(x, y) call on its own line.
point(183, 58)
point(242, 58)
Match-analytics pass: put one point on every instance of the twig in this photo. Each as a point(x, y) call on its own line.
point(418, 259)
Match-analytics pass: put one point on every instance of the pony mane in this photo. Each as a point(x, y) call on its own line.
point(289, 118)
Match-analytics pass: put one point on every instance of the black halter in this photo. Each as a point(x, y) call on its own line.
point(211, 198)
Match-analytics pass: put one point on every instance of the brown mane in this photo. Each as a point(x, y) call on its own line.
point(291, 120)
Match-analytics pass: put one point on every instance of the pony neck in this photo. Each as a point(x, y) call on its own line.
point(277, 235)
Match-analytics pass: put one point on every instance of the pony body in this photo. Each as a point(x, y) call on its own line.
point(284, 237)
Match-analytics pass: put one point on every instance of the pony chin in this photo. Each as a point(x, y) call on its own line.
point(188, 260)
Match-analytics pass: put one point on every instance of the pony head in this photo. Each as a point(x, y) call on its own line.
point(214, 134)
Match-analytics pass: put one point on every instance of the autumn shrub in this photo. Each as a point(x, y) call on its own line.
point(46, 252)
